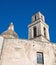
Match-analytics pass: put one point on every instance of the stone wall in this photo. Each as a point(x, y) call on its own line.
point(23, 52)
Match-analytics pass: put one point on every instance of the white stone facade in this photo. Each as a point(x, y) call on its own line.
point(38, 21)
point(15, 51)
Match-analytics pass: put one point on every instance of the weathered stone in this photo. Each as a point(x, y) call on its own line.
point(15, 51)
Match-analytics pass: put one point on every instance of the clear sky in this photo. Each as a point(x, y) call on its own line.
point(20, 12)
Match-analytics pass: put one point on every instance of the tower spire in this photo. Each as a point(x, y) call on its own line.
point(11, 26)
point(10, 33)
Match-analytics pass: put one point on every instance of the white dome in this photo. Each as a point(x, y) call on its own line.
point(10, 33)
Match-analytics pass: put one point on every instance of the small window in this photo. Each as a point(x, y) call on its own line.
point(34, 29)
point(40, 59)
point(44, 32)
point(35, 17)
point(42, 17)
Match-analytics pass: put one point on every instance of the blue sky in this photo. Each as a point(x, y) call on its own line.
point(20, 12)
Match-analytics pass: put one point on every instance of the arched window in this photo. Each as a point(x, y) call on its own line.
point(34, 30)
point(40, 59)
point(35, 17)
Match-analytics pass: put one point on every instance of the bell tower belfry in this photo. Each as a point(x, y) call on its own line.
point(38, 30)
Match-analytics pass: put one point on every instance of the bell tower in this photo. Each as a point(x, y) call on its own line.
point(38, 30)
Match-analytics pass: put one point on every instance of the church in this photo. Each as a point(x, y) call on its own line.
point(37, 50)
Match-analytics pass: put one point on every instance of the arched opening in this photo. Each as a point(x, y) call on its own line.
point(34, 29)
point(35, 17)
